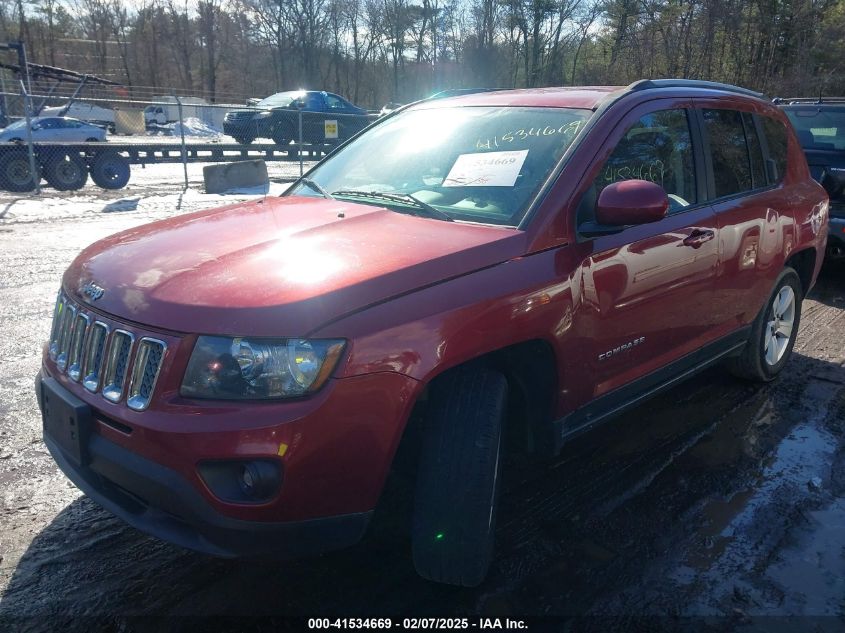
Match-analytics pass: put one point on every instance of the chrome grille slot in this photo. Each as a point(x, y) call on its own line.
point(117, 363)
point(93, 360)
point(77, 340)
point(57, 322)
point(65, 334)
point(148, 360)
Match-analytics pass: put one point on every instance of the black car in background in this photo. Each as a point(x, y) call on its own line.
point(326, 118)
point(820, 124)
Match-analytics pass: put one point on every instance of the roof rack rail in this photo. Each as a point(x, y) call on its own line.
point(809, 100)
point(650, 84)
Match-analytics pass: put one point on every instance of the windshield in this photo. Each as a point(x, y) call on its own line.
point(478, 164)
point(819, 128)
point(20, 123)
point(279, 100)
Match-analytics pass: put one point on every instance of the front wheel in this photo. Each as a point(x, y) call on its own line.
point(283, 134)
point(773, 332)
point(458, 478)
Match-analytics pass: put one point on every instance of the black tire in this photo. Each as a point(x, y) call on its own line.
point(15, 172)
point(244, 140)
point(68, 172)
point(92, 140)
point(110, 170)
point(752, 364)
point(458, 478)
point(283, 134)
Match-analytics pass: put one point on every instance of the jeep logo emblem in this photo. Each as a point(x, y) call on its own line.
point(92, 291)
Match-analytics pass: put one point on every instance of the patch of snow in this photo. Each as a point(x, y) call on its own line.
point(193, 126)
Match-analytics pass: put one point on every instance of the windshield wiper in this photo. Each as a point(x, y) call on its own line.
point(416, 203)
point(316, 187)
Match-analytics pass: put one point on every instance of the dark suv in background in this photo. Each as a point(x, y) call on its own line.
point(326, 118)
point(820, 125)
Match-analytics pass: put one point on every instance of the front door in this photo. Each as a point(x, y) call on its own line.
point(645, 291)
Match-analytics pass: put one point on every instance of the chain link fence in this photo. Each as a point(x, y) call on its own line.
point(50, 144)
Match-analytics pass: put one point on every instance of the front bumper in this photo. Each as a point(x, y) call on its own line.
point(240, 128)
point(149, 479)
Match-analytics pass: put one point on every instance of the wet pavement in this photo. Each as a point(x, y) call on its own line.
point(715, 504)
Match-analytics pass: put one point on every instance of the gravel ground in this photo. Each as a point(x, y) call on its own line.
point(716, 504)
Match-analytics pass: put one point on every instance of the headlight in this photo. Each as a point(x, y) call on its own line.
point(257, 368)
point(263, 115)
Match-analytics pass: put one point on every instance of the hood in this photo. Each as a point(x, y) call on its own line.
point(278, 266)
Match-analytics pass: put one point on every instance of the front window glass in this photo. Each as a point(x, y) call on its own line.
point(657, 148)
point(478, 164)
point(335, 103)
point(818, 128)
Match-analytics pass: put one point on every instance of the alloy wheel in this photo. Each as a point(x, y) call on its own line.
point(780, 326)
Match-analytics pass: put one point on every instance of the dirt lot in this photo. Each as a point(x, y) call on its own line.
point(719, 499)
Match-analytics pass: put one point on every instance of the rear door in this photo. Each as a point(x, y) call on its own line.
point(753, 210)
point(646, 290)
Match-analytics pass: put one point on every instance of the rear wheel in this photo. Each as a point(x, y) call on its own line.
point(773, 332)
point(110, 170)
point(244, 140)
point(15, 172)
point(66, 173)
point(458, 478)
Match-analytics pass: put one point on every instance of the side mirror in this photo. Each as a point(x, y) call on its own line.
point(631, 202)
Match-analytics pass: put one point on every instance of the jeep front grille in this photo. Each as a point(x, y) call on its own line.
point(77, 339)
point(144, 373)
point(94, 352)
point(68, 316)
point(117, 360)
point(105, 361)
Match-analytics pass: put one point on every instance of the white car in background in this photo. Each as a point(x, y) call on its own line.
point(53, 130)
point(88, 112)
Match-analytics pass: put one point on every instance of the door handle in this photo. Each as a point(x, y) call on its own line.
point(698, 237)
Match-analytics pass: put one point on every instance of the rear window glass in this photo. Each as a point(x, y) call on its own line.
point(729, 152)
point(776, 139)
point(818, 128)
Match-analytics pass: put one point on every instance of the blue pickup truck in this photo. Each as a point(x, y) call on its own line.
point(326, 118)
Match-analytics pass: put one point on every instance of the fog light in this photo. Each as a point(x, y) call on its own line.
point(248, 479)
point(259, 480)
point(237, 481)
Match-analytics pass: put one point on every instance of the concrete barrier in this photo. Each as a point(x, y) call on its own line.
point(247, 174)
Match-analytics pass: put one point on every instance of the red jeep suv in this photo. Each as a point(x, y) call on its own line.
point(237, 381)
